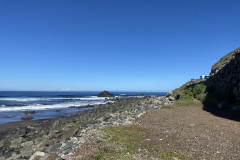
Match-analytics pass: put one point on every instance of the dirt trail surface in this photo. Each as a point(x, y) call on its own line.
point(193, 131)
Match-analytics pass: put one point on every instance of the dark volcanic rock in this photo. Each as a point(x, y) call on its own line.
point(105, 94)
point(27, 118)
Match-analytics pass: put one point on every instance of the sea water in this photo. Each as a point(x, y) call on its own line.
point(52, 104)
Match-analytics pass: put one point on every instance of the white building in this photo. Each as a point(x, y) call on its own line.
point(203, 77)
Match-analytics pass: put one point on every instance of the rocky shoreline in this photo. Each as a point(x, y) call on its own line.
point(59, 139)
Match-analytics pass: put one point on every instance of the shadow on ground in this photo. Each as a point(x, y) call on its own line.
point(228, 114)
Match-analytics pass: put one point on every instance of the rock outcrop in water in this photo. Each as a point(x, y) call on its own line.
point(105, 94)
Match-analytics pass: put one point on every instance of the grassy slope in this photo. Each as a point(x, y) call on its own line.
point(132, 146)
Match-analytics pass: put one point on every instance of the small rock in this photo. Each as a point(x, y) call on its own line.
point(69, 133)
point(52, 156)
point(37, 155)
point(25, 112)
point(49, 142)
point(53, 147)
point(27, 118)
point(27, 145)
point(171, 98)
point(32, 112)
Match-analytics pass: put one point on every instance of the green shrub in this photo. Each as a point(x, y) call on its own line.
point(199, 89)
point(201, 97)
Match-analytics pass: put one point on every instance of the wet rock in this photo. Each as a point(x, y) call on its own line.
point(32, 112)
point(27, 118)
point(25, 112)
point(105, 94)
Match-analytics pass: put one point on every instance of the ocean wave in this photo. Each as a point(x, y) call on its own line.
point(44, 107)
point(92, 98)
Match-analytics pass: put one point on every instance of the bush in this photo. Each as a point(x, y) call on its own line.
point(199, 89)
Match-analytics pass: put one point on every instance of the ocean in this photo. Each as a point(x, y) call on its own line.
point(51, 104)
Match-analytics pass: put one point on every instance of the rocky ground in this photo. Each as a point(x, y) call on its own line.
point(59, 139)
point(194, 131)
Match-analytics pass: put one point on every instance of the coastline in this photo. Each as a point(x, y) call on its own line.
point(65, 135)
point(6, 128)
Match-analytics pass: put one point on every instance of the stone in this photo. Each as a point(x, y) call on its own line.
point(171, 98)
point(27, 145)
point(49, 142)
point(36, 155)
point(25, 112)
point(27, 118)
point(32, 112)
point(15, 156)
point(15, 142)
point(4, 143)
point(69, 133)
point(52, 156)
point(53, 147)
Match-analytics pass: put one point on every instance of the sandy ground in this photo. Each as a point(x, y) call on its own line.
point(195, 131)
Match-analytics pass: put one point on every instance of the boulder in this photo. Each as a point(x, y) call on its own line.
point(171, 98)
point(27, 118)
point(105, 94)
point(27, 145)
point(69, 133)
point(53, 147)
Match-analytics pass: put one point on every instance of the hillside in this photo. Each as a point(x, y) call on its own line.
point(221, 89)
point(224, 61)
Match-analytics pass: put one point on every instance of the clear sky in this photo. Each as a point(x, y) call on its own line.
point(116, 45)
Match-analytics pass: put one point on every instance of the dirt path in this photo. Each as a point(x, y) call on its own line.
point(193, 131)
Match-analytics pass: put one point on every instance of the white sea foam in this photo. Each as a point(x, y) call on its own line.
point(43, 107)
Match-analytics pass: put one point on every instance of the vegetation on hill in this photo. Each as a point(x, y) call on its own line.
point(202, 92)
point(223, 61)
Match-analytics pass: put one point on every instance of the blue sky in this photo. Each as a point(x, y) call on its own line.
point(120, 45)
